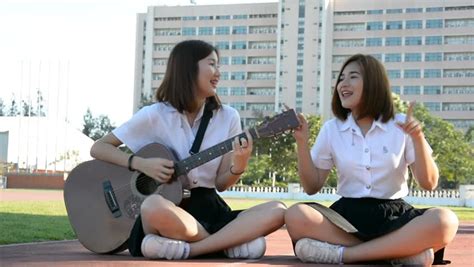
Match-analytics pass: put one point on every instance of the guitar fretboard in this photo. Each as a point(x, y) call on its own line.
point(184, 166)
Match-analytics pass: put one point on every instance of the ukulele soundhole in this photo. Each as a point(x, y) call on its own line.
point(146, 185)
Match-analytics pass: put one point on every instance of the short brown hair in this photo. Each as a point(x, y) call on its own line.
point(376, 97)
point(180, 81)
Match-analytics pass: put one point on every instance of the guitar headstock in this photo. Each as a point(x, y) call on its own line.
point(278, 124)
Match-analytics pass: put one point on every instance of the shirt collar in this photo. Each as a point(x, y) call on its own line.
point(350, 123)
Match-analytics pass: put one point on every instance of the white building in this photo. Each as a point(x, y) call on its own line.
point(41, 143)
point(291, 51)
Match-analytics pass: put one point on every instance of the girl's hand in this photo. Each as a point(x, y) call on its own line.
point(160, 169)
point(301, 133)
point(241, 152)
point(411, 126)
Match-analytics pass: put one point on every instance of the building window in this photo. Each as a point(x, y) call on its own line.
point(395, 89)
point(394, 25)
point(206, 17)
point(459, 40)
point(205, 31)
point(222, 30)
point(262, 60)
point(168, 32)
point(239, 76)
point(239, 45)
point(433, 40)
point(394, 74)
point(412, 57)
point(222, 91)
point(432, 106)
point(411, 90)
point(237, 91)
point(413, 40)
point(239, 60)
point(261, 91)
point(262, 45)
point(414, 10)
point(238, 105)
point(458, 106)
point(434, 23)
point(163, 47)
point(262, 76)
point(459, 56)
point(432, 73)
point(432, 90)
point(374, 25)
point(375, 12)
point(458, 73)
point(458, 90)
point(394, 11)
point(239, 16)
point(436, 56)
point(239, 30)
point(224, 60)
point(393, 57)
point(160, 61)
point(187, 31)
point(458, 23)
point(223, 17)
point(349, 43)
point(412, 73)
point(373, 42)
point(223, 45)
point(352, 27)
point(393, 41)
point(434, 9)
point(413, 24)
point(262, 29)
point(224, 75)
point(189, 18)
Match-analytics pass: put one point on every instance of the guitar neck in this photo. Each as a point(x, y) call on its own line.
point(198, 159)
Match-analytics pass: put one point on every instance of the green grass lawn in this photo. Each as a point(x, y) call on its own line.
point(34, 221)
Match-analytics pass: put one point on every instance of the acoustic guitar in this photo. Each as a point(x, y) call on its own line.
point(103, 199)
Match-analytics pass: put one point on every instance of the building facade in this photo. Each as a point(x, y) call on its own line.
point(290, 52)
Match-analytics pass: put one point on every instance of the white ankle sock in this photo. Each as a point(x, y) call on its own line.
point(341, 253)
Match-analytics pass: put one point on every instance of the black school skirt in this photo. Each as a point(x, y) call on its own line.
point(205, 205)
point(369, 218)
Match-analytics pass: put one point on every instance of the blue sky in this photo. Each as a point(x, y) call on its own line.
point(81, 50)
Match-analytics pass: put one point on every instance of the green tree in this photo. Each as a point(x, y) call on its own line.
point(95, 128)
point(27, 110)
point(13, 110)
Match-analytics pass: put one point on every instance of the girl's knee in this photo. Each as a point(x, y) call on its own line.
point(295, 214)
point(152, 204)
point(446, 223)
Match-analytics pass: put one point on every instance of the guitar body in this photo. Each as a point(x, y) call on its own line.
point(103, 199)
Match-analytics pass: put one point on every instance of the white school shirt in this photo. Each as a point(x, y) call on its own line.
point(162, 123)
point(372, 166)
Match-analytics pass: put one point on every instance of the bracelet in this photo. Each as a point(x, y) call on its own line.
point(235, 173)
point(130, 163)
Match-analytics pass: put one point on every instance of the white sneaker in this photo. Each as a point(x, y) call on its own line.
point(250, 250)
point(158, 247)
point(424, 258)
point(310, 250)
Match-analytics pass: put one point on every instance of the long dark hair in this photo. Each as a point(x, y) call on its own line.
point(180, 81)
point(376, 97)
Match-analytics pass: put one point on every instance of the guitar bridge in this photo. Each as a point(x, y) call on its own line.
point(110, 199)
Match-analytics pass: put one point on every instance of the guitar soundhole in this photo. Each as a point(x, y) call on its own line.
point(146, 185)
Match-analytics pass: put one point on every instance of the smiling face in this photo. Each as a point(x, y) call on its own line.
point(208, 76)
point(350, 87)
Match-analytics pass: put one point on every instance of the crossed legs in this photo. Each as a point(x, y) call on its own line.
point(160, 216)
point(434, 229)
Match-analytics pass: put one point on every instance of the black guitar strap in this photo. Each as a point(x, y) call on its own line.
point(206, 117)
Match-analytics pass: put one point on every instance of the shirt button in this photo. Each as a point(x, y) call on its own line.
point(195, 181)
point(366, 150)
point(368, 186)
point(367, 167)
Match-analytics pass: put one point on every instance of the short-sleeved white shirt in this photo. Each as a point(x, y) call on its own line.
point(372, 166)
point(162, 123)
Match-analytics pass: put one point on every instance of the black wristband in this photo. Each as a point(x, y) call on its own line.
point(130, 163)
point(235, 173)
